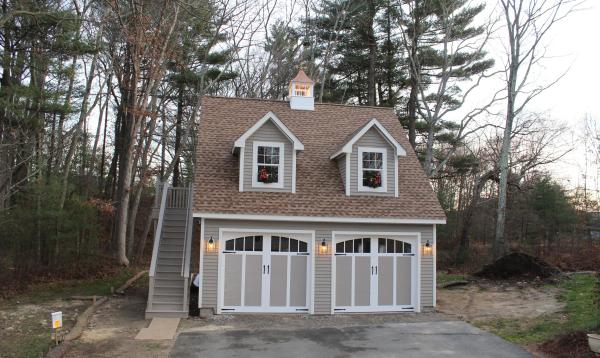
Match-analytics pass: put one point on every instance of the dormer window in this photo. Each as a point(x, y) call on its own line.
point(372, 174)
point(267, 166)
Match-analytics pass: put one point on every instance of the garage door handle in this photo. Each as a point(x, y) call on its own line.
point(264, 268)
point(376, 270)
point(371, 270)
point(268, 269)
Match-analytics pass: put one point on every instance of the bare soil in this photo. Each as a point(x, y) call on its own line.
point(570, 345)
point(25, 328)
point(113, 327)
point(483, 300)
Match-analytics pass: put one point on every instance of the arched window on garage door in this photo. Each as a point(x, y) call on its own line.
point(245, 243)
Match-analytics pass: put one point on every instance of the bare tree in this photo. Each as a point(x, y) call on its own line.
point(527, 24)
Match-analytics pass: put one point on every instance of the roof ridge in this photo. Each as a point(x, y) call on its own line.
point(316, 104)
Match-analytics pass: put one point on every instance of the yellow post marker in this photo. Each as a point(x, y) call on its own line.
point(56, 324)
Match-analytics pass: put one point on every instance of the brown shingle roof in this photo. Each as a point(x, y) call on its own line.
point(319, 188)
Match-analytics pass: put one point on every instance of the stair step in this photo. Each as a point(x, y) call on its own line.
point(169, 254)
point(168, 275)
point(166, 306)
point(168, 283)
point(169, 264)
point(174, 230)
point(168, 297)
point(166, 314)
point(171, 246)
point(171, 250)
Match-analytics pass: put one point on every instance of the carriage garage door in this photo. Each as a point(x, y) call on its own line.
point(265, 272)
point(374, 273)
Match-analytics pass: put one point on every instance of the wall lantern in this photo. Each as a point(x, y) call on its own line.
point(427, 249)
point(210, 245)
point(323, 247)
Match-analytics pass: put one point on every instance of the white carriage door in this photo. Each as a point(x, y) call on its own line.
point(374, 274)
point(266, 273)
point(395, 265)
point(244, 279)
point(355, 273)
point(288, 270)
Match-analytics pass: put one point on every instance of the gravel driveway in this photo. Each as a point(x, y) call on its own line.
point(378, 336)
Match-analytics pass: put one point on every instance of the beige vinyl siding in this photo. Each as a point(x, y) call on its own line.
point(210, 271)
point(268, 133)
point(372, 138)
point(341, 162)
point(322, 264)
point(427, 270)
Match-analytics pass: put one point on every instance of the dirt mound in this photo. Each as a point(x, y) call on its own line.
point(570, 345)
point(517, 265)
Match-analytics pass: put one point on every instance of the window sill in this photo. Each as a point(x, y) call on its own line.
point(260, 185)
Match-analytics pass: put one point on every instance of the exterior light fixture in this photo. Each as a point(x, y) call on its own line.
point(210, 245)
point(427, 249)
point(323, 247)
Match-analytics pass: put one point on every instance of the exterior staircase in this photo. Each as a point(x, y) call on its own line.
point(168, 294)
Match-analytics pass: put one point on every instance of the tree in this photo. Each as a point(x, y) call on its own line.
point(449, 55)
point(527, 24)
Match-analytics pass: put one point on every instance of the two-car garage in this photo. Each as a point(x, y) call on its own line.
point(264, 271)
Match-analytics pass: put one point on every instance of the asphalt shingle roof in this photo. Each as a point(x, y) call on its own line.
point(319, 187)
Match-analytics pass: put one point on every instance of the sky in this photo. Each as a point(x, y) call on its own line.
point(573, 49)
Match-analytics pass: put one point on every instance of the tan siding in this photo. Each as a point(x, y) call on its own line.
point(268, 133)
point(341, 162)
point(372, 138)
point(322, 263)
point(427, 270)
point(210, 268)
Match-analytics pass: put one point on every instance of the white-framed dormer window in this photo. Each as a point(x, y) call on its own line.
point(372, 169)
point(267, 164)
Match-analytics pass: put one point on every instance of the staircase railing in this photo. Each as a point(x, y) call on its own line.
point(189, 223)
point(158, 233)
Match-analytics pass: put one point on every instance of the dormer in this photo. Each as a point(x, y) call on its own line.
point(267, 153)
point(368, 161)
point(302, 92)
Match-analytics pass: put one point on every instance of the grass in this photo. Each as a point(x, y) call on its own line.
point(28, 314)
point(64, 289)
point(443, 277)
point(581, 313)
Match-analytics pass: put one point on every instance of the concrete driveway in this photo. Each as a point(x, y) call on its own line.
point(416, 339)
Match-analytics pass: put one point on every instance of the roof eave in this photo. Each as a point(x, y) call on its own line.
point(241, 141)
point(347, 148)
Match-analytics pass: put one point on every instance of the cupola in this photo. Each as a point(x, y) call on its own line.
point(301, 92)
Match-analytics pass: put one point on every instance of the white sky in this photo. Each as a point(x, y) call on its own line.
point(573, 46)
point(576, 44)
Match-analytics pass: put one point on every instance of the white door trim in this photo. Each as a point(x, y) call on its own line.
point(253, 231)
point(416, 279)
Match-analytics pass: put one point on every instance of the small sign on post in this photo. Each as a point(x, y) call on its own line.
point(56, 324)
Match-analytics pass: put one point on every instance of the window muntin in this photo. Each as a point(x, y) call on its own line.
point(267, 166)
point(363, 246)
point(391, 246)
point(372, 169)
point(287, 244)
point(372, 164)
point(356, 246)
point(247, 243)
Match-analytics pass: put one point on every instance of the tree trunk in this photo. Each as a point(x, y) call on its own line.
point(499, 241)
point(414, 83)
point(176, 173)
point(372, 43)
